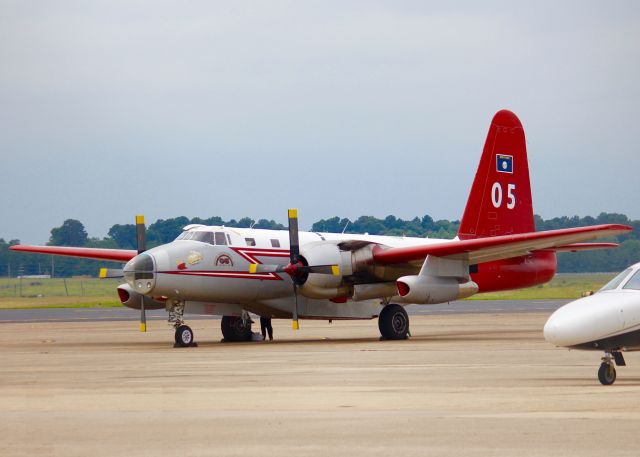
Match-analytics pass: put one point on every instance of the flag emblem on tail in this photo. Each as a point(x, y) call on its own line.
point(504, 163)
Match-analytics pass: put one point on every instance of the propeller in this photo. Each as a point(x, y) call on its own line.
point(141, 241)
point(107, 273)
point(296, 268)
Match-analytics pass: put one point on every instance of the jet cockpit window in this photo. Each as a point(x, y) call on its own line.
point(633, 282)
point(181, 236)
point(220, 239)
point(615, 282)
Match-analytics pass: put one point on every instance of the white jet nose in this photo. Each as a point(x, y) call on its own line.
point(569, 325)
point(550, 331)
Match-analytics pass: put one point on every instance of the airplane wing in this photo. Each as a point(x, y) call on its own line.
point(117, 255)
point(478, 250)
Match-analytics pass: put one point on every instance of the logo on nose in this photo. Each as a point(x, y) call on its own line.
point(223, 260)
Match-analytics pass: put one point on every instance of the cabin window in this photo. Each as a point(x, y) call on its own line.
point(229, 239)
point(634, 282)
point(220, 239)
point(275, 243)
point(250, 241)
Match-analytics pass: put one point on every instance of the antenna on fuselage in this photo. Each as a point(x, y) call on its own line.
point(345, 226)
point(253, 222)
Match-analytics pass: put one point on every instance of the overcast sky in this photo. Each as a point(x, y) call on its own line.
point(170, 108)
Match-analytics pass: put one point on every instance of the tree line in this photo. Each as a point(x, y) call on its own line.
point(123, 236)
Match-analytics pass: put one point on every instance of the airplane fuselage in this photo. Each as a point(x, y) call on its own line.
point(208, 267)
point(608, 320)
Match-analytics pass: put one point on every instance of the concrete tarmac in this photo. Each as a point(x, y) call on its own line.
point(126, 314)
point(463, 385)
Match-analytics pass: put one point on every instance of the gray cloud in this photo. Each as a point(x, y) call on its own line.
point(247, 108)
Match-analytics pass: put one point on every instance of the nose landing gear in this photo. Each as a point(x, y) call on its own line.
point(607, 370)
point(184, 334)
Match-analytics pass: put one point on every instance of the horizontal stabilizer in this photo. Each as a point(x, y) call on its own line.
point(575, 247)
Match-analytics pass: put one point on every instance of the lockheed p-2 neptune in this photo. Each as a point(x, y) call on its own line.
point(232, 272)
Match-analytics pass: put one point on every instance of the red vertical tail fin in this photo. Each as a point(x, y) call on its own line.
point(500, 199)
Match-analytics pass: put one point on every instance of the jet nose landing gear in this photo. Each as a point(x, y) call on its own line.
point(607, 370)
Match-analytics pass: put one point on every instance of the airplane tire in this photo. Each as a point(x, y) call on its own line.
point(607, 374)
point(184, 336)
point(233, 329)
point(393, 322)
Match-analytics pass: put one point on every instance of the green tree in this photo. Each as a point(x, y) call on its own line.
point(123, 235)
point(70, 233)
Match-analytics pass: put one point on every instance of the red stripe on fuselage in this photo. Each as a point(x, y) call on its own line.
point(224, 274)
point(250, 255)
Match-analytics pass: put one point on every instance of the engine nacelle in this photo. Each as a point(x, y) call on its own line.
point(132, 299)
point(326, 286)
point(430, 290)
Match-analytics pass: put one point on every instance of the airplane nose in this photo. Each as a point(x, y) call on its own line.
point(139, 273)
point(581, 321)
point(550, 330)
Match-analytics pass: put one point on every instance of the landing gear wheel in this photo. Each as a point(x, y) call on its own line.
point(393, 323)
point(184, 336)
point(235, 328)
point(607, 374)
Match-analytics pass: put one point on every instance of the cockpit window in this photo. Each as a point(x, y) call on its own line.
point(633, 282)
point(615, 282)
point(220, 239)
point(205, 237)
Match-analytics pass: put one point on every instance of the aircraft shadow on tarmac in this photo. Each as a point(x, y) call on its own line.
point(505, 335)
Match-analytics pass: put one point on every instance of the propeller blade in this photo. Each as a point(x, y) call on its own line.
point(295, 269)
point(107, 273)
point(323, 269)
point(294, 242)
point(261, 268)
point(143, 316)
point(294, 322)
point(141, 234)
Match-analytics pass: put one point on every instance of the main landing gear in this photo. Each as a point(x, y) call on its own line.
point(184, 334)
point(607, 371)
point(236, 328)
point(393, 323)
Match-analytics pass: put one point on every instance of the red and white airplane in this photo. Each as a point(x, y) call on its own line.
point(308, 275)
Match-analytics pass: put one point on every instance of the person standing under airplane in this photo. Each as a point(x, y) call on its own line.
point(265, 327)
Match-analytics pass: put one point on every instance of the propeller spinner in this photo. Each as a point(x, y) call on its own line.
point(119, 273)
point(296, 268)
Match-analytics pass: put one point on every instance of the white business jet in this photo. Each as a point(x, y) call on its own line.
point(608, 321)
